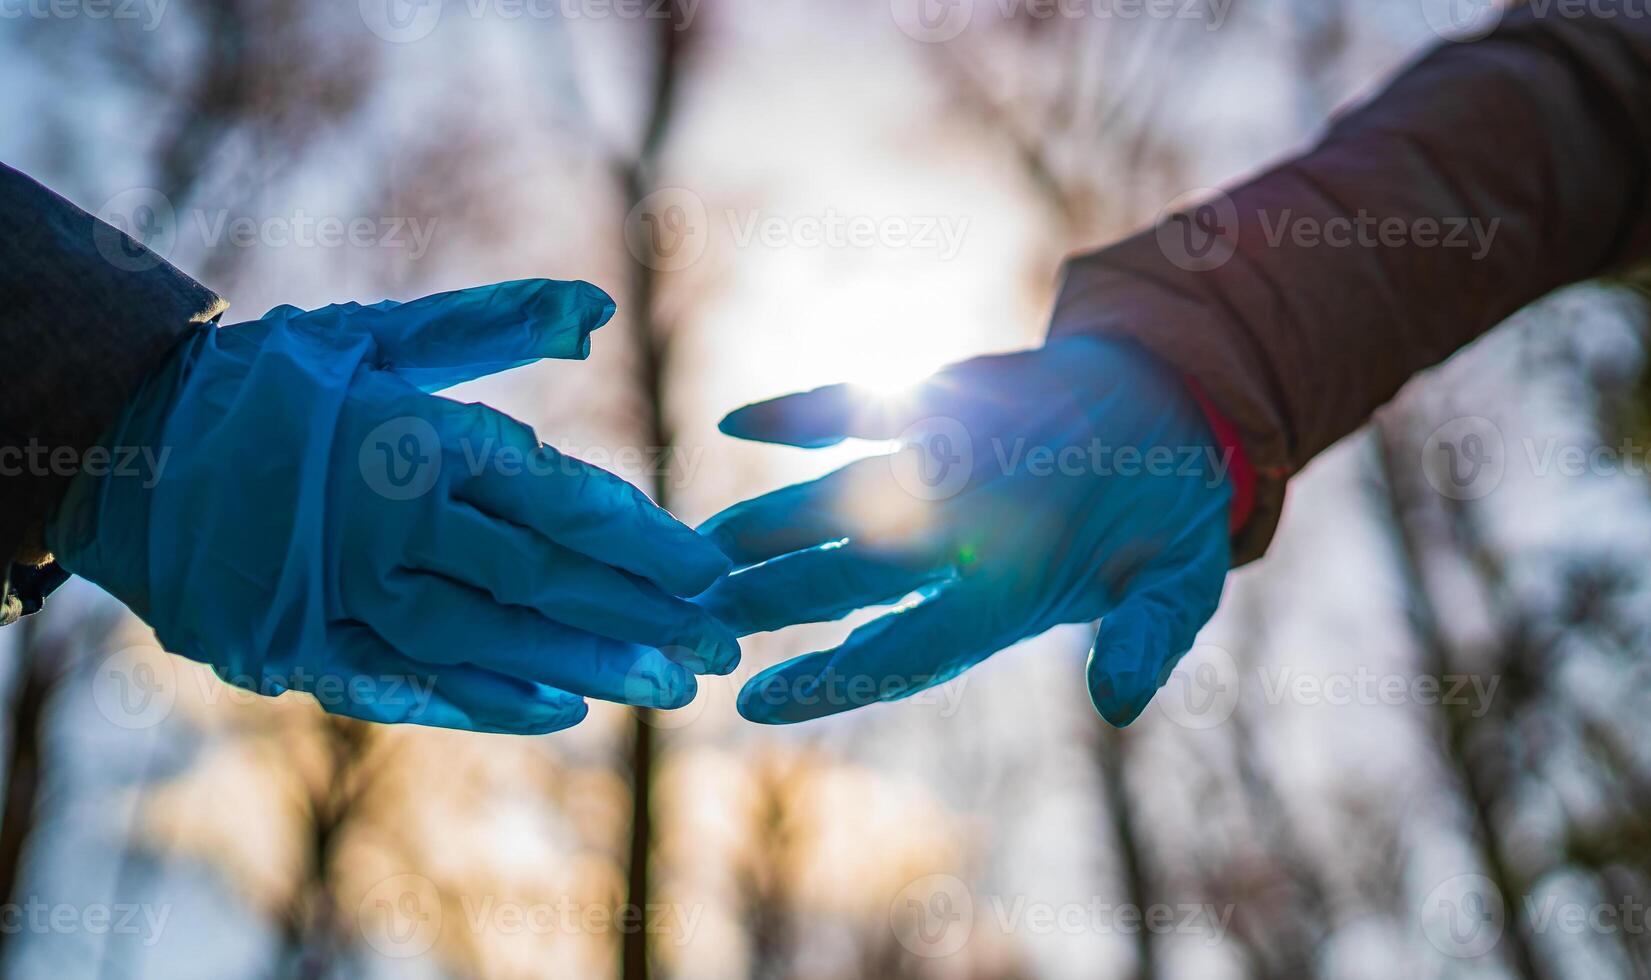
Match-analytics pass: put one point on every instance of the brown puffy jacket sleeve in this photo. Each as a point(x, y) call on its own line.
point(1486, 175)
point(85, 314)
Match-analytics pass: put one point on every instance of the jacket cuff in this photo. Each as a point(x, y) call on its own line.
point(86, 313)
point(1117, 292)
point(1240, 472)
point(24, 588)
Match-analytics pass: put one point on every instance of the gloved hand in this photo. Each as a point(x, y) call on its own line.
point(1059, 485)
point(319, 522)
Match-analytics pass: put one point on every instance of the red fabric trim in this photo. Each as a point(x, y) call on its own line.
point(1240, 472)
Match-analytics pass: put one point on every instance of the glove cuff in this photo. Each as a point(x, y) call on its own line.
point(100, 528)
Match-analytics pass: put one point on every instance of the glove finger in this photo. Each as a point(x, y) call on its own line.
point(457, 696)
point(448, 338)
point(441, 622)
point(809, 419)
point(828, 415)
point(815, 586)
point(861, 500)
point(582, 507)
point(1142, 639)
point(518, 567)
point(889, 658)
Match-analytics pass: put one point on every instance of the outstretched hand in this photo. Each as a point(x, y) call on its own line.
point(322, 523)
point(1071, 483)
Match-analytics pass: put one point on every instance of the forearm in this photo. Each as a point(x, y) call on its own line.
point(1484, 177)
point(85, 314)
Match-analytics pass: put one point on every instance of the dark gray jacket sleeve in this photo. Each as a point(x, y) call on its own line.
point(85, 314)
point(1539, 134)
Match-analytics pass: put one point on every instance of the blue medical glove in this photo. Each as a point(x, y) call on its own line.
point(315, 520)
point(1067, 484)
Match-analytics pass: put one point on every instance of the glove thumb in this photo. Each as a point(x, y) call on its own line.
point(450, 338)
point(1146, 635)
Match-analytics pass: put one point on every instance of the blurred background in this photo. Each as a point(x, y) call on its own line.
point(1414, 742)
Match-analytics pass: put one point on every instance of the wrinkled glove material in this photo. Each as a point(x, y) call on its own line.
point(1072, 483)
point(314, 519)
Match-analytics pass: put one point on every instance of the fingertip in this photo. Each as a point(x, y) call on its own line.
point(735, 423)
point(801, 420)
point(599, 306)
point(1119, 714)
point(681, 694)
point(761, 697)
point(564, 713)
point(658, 681)
point(1119, 696)
point(724, 655)
point(710, 647)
